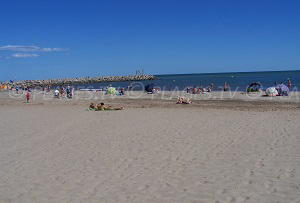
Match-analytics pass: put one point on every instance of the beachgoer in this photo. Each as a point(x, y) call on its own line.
point(28, 96)
point(187, 101)
point(225, 86)
point(56, 93)
point(188, 90)
point(199, 90)
point(154, 91)
point(92, 105)
point(122, 91)
point(69, 92)
point(101, 107)
point(17, 89)
point(209, 89)
point(211, 86)
point(289, 84)
point(180, 100)
point(194, 90)
point(62, 90)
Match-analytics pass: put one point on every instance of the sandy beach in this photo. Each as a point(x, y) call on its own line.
point(220, 148)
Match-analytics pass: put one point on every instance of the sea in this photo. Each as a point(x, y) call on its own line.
point(237, 81)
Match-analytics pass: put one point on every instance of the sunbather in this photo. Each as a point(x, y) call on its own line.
point(187, 101)
point(180, 100)
point(101, 107)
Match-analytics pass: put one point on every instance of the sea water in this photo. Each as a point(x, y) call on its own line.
point(237, 81)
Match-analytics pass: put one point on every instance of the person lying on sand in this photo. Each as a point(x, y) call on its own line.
point(187, 101)
point(181, 100)
point(101, 107)
point(92, 107)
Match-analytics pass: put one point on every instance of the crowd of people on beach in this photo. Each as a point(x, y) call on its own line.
point(201, 89)
point(289, 84)
point(67, 91)
point(63, 91)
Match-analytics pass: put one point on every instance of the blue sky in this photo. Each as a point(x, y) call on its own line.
point(52, 39)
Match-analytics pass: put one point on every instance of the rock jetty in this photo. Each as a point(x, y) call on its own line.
point(87, 80)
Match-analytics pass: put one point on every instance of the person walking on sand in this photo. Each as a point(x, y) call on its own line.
point(17, 89)
point(28, 96)
point(289, 84)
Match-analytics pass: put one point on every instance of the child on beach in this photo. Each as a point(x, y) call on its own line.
point(27, 96)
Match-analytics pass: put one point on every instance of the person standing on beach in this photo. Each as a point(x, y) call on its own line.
point(62, 90)
point(188, 90)
point(289, 84)
point(225, 86)
point(68, 91)
point(28, 96)
point(194, 90)
point(17, 89)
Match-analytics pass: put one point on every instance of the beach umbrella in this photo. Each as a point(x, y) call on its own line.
point(254, 87)
point(283, 90)
point(111, 90)
point(271, 92)
point(149, 87)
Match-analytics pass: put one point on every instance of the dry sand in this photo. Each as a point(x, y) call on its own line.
point(154, 151)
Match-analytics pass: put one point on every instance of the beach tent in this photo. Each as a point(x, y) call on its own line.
point(271, 92)
point(149, 87)
point(111, 90)
point(254, 87)
point(283, 90)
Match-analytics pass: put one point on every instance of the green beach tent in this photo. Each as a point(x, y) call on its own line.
point(111, 90)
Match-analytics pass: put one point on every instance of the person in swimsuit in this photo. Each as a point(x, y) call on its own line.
point(101, 107)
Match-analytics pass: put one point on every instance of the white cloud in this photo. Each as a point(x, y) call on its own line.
point(19, 55)
point(29, 48)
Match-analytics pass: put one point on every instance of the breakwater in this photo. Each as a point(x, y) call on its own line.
point(87, 80)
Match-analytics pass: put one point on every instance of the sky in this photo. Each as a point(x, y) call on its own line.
point(63, 39)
